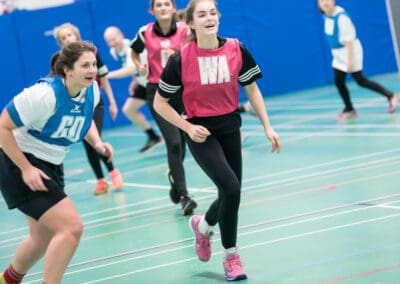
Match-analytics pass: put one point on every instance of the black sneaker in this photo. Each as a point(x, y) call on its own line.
point(151, 143)
point(188, 205)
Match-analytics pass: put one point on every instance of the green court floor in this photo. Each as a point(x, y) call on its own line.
point(325, 210)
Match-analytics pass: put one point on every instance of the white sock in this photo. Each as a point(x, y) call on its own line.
point(204, 227)
point(230, 251)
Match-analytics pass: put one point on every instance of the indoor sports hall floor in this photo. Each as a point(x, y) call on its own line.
point(325, 210)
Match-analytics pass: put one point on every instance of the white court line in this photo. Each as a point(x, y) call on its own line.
point(320, 165)
point(96, 221)
point(246, 189)
point(329, 116)
point(347, 160)
point(140, 213)
point(327, 134)
point(214, 240)
point(290, 237)
point(390, 207)
point(153, 186)
point(138, 156)
point(100, 222)
point(328, 126)
point(322, 106)
point(319, 173)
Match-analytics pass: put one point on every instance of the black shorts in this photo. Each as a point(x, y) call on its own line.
point(18, 195)
point(139, 93)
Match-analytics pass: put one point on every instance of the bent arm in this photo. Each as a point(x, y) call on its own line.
point(163, 108)
point(9, 144)
point(94, 139)
point(141, 68)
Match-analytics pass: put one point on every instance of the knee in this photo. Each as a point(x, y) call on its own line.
point(127, 109)
point(75, 230)
point(361, 81)
point(233, 190)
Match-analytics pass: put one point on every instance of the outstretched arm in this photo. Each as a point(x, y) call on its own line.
point(122, 72)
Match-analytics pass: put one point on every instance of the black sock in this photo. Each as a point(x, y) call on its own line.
point(152, 135)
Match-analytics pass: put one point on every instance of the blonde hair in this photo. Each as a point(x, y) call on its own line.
point(69, 26)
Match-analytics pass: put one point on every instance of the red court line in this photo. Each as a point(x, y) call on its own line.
point(361, 274)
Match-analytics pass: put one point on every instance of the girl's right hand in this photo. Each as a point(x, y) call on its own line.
point(198, 133)
point(33, 178)
point(143, 69)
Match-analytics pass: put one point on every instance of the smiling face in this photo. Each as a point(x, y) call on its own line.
point(205, 18)
point(163, 10)
point(82, 73)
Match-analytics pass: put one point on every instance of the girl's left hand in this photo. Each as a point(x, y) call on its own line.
point(113, 109)
point(105, 149)
point(168, 52)
point(274, 138)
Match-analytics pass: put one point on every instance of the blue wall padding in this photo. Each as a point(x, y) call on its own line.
point(285, 37)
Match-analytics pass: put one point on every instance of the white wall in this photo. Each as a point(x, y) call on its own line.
point(9, 5)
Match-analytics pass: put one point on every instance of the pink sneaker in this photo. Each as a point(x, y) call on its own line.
point(101, 187)
point(346, 115)
point(234, 268)
point(202, 242)
point(116, 179)
point(393, 102)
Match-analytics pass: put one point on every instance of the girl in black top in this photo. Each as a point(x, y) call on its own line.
point(205, 74)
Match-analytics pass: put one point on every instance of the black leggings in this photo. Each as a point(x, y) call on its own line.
point(340, 78)
point(91, 153)
point(220, 157)
point(175, 143)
